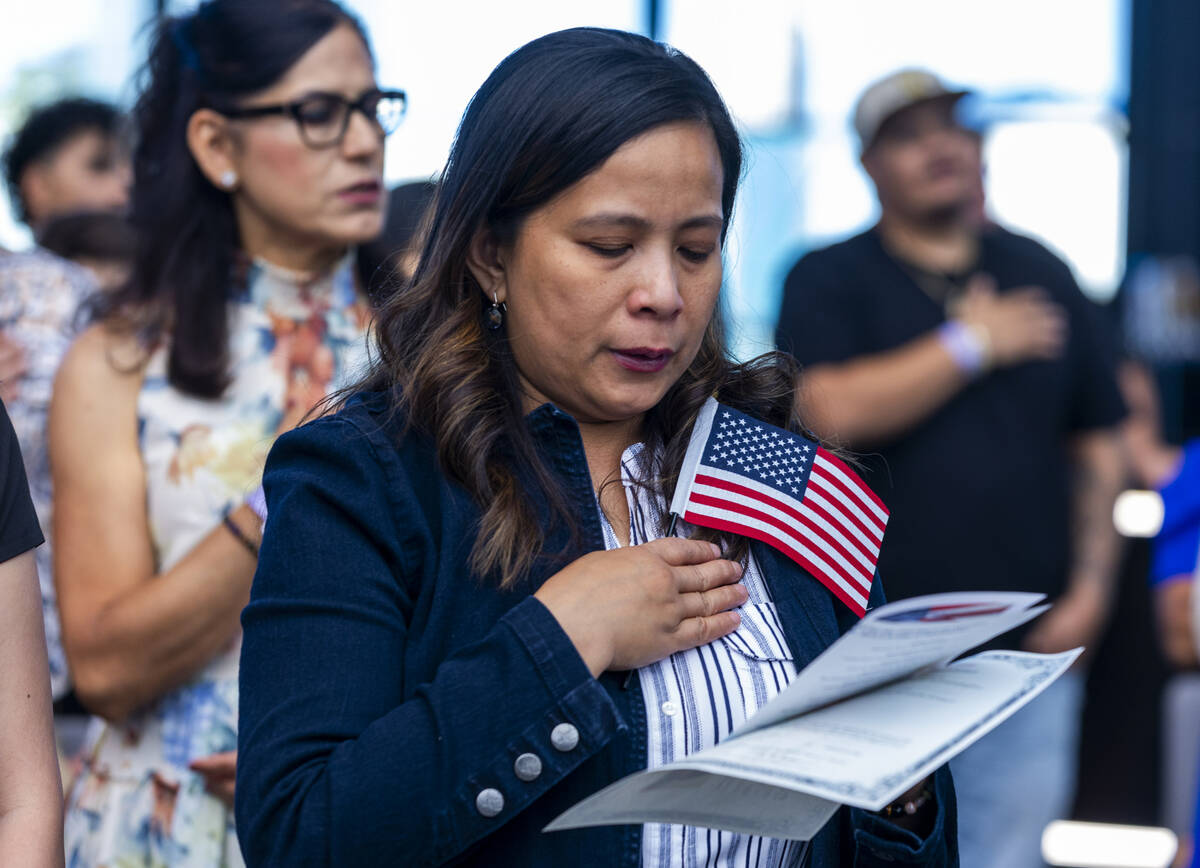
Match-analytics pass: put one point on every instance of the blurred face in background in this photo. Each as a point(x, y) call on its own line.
point(925, 166)
point(292, 199)
point(611, 285)
point(90, 171)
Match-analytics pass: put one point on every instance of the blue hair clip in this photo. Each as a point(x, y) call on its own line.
point(183, 44)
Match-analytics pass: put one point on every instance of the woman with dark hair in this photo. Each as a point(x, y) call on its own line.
point(466, 617)
point(258, 167)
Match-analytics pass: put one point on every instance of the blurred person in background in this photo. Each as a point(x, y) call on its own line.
point(1173, 569)
point(66, 161)
point(102, 242)
point(387, 263)
point(1174, 472)
point(40, 299)
point(967, 357)
point(258, 167)
point(1174, 572)
point(390, 260)
point(30, 787)
point(67, 157)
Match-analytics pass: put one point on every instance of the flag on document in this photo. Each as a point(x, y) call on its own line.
point(952, 612)
point(747, 477)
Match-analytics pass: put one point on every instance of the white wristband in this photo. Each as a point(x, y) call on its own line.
point(967, 345)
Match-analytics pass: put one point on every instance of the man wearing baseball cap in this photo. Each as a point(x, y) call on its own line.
point(965, 362)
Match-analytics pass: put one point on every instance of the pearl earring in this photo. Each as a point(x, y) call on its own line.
point(228, 179)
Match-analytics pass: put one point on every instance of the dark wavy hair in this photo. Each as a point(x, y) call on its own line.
point(187, 234)
point(549, 114)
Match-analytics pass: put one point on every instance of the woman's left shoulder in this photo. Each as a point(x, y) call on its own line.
point(355, 434)
point(364, 455)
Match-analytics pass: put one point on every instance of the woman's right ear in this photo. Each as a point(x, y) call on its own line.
point(485, 259)
point(212, 147)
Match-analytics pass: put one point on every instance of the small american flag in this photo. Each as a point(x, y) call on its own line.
point(953, 612)
point(747, 477)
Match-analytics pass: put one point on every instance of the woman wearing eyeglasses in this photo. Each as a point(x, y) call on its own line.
point(258, 168)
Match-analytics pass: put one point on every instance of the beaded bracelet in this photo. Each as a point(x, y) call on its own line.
point(232, 527)
point(909, 807)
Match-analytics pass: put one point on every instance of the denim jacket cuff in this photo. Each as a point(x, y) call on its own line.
point(558, 663)
point(579, 721)
point(878, 842)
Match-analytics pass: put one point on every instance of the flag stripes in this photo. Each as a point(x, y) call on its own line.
point(791, 519)
point(748, 526)
point(743, 476)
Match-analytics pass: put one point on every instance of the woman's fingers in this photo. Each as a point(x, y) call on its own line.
point(217, 764)
point(679, 552)
point(632, 606)
point(702, 577)
point(695, 632)
point(701, 604)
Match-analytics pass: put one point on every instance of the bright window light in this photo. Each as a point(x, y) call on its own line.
point(1063, 182)
point(1100, 845)
point(1138, 513)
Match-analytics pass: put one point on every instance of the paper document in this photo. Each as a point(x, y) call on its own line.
point(875, 714)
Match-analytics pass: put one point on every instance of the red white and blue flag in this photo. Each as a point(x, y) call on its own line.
point(951, 612)
point(744, 476)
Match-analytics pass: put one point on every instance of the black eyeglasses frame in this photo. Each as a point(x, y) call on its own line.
point(293, 110)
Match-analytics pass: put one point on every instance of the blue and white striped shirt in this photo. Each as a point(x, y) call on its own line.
point(697, 697)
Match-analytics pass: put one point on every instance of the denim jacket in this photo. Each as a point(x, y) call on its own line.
point(386, 691)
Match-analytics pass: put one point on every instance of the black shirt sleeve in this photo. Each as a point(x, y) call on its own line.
point(817, 322)
point(19, 530)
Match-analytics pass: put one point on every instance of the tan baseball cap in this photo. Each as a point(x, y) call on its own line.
point(894, 93)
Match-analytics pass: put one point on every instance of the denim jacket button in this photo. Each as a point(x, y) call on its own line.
point(564, 737)
point(489, 802)
point(528, 767)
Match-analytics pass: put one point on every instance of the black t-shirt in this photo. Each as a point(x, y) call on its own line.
point(979, 492)
point(19, 530)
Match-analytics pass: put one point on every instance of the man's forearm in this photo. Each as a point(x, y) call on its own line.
point(1099, 474)
point(1079, 615)
point(872, 399)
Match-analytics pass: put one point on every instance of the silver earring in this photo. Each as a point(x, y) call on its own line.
point(495, 313)
point(228, 179)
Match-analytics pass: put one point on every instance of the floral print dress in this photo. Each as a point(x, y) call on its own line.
point(294, 338)
point(40, 296)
